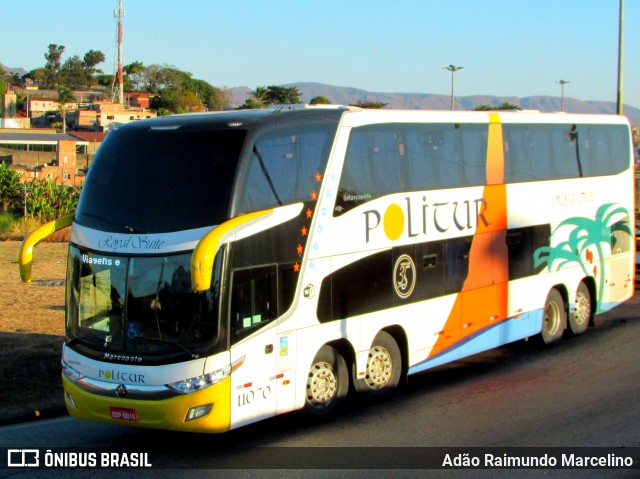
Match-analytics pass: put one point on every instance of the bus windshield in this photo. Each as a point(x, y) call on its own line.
point(139, 305)
point(160, 180)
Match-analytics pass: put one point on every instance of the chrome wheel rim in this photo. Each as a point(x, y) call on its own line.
point(583, 309)
point(322, 385)
point(379, 368)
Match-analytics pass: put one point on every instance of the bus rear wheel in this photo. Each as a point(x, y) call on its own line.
point(327, 384)
point(580, 319)
point(554, 320)
point(384, 368)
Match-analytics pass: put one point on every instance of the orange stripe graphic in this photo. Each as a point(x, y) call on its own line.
point(484, 296)
point(495, 151)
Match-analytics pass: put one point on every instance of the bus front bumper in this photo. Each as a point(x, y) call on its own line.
point(171, 413)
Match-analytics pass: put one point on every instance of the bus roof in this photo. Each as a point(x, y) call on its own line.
point(355, 116)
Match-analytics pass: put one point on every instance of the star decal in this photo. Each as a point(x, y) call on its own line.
point(300, 249)
point(318, 177)
point(304, 231)
point(296, 267)
point(309, 213)
point(314, 195)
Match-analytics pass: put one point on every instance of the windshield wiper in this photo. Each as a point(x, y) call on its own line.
point(167, 341)
point(130, 229)
point(158, 297)
point(266, 174)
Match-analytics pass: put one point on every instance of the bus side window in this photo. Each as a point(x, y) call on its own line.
point(253, 300)
point(283, 166)
point(604, 149)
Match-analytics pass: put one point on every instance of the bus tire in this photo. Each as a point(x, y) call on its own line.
point(327, 384)
point(554, 320)
point(383, 370)
point(580, 319)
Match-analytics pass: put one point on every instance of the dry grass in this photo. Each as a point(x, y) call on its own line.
point(31, 331)
point(17, 229)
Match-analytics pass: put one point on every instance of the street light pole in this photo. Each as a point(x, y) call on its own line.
point(562, 84)
point(620, 106)
point(453, 69)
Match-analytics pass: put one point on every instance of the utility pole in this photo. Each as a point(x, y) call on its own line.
point(562, 84)
point(118, 92)
point(453, 69)
point(620, 106)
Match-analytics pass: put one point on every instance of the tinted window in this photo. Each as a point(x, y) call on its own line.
point(283, 167)
point(547, 152)
point(539, 152)
point(152, 181)
point(605, 150)
point(384, 159)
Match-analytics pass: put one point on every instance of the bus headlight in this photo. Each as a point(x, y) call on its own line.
point(71, 373)
point(190, 385)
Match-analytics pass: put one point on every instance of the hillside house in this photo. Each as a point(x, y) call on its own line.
point(37, 155)
point(99, 116)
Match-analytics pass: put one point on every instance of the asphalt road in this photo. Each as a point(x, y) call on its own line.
point(584, 392)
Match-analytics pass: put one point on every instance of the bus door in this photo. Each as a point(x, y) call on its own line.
point(253, 306)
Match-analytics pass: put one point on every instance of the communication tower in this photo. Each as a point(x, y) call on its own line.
point(117, 85)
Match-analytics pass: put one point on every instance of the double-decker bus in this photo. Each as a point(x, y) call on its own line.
point(227, 267)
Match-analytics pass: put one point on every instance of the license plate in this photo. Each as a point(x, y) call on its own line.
point(124, 414)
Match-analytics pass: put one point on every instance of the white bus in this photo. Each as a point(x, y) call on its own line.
point(227, 267)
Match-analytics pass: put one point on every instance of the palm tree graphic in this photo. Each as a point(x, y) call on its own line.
point(585, 235)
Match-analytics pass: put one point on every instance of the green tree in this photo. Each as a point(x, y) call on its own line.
point(10, 79)
point(38, 76)
point(90, 60)
point(76, 72)
point(175, 100)
point(280, 95)
point(134, 75)
point(211, 97)
point(376, 105)
point(216, 99)
point(503, 106)
point(320, 100)
point(158, 77)
point(179, 91)
point(5, 81)
point(15, 80)
point(272, 95)
point(53, 64)
point(65, 95)
point(72, 73)
point(257, 99)
point(104, 80)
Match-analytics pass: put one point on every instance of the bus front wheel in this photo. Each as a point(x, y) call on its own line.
point(327, 384)
point(384, 368)
point(555, 318)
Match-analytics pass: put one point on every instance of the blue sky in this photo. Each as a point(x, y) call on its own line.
point(507, 47)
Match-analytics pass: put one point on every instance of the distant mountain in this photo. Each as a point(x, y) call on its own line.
point(427, 101)
point(12, 70)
